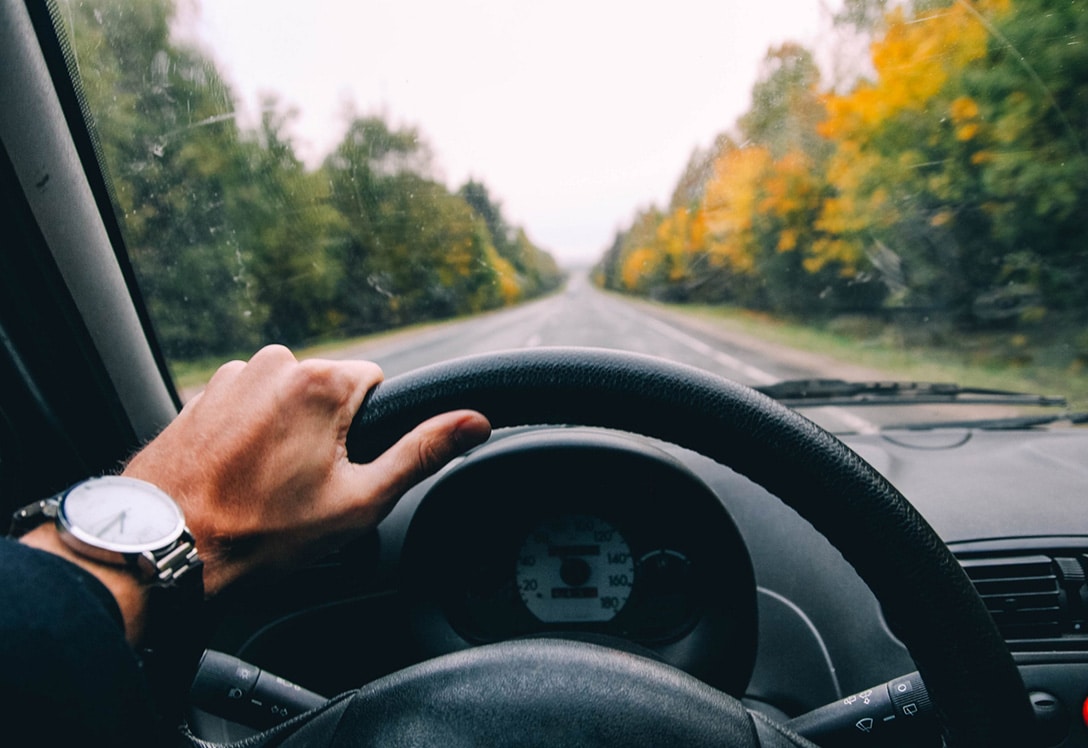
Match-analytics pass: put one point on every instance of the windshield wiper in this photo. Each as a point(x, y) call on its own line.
point(1014, 423)
point(813, 392)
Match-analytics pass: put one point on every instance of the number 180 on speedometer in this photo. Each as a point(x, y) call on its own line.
point(575, 568)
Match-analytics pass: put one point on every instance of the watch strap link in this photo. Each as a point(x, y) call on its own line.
point(172, 563)
point(163, 568)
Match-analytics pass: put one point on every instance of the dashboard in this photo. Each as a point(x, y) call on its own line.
point(611, 537)
point(595, 536)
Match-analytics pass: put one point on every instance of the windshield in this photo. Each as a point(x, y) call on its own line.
point(866, 190)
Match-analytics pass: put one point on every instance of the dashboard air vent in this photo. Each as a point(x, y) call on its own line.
point(1030, 597)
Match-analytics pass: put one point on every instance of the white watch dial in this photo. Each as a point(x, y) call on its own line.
point(121, 514)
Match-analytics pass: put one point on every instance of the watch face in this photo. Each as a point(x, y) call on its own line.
point(121, 515)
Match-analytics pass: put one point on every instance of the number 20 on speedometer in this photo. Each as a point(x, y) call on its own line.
point(573, 569)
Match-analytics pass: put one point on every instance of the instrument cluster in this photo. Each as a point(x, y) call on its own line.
point(582, 533)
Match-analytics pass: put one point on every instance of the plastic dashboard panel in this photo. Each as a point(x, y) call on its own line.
point(691, 599)
point(820, 630)
point(821, 633)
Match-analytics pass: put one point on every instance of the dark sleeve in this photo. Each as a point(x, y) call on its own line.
point(67, 675)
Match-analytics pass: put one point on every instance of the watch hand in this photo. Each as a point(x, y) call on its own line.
point(120, 518)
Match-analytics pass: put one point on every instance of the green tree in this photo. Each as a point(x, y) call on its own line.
point(964, 159)
point(291, 229)
point(690, 188)
point(411, 250)
point(434, 253)
point(786, 104)
point(535, 271)
point(1028, 166)
point(361, 174)
point(165, 122)
point(235, 242)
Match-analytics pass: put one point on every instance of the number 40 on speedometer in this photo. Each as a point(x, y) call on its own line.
point(574, 569)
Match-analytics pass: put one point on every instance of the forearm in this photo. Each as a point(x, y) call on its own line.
point(69, 676)
point(127, 591)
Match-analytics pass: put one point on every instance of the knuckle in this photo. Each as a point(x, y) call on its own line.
point(429, 456)
point(274, 353)
point(314, 378)
point(372, 370)
point(336, 380)
point(231, 367)
point(226, 372)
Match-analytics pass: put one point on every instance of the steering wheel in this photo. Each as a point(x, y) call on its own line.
point(548, 691)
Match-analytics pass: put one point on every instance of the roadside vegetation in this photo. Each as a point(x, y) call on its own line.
point(994, 360)
point(935, 194)
point(922, 211)
point(190, 375)
point(236, 242)
point(1045, 365)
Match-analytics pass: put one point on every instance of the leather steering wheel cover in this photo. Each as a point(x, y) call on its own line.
point(927, 599)
point(581, 693)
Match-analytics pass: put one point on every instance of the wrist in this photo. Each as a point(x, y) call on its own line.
point(127, 533)
point(129, 593)
point(191, 498)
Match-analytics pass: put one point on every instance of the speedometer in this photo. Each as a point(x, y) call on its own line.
point(575, 568)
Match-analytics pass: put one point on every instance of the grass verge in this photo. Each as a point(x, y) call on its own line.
point(195, 373)
point(998, 360)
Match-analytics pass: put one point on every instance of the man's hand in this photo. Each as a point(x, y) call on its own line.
point(258, 462)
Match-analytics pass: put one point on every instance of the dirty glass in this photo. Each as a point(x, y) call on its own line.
point(864, 190)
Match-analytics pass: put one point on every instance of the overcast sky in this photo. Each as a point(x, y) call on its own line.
point(574, 112)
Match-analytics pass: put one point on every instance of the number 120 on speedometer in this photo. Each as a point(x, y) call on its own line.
point(573, 569)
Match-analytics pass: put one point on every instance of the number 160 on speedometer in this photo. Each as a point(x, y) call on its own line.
point(574, 569)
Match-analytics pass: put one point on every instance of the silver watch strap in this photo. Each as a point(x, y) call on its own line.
point(173, 563)
point(163, 568)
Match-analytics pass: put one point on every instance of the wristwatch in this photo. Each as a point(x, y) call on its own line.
point(133, 524)
point(123, 522)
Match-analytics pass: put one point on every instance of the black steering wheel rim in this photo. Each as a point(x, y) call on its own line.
point(927, 599)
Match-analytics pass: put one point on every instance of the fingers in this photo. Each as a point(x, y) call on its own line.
point(420, 453)
point(226, 373)
point(268, 358)
point(259, 460)
point(274, 411)
point(235, 376)
point(274, 369)
point(343, 383)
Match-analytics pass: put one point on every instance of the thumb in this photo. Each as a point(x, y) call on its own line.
point(422, 452)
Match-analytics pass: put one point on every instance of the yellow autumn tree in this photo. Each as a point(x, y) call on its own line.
point(905, 143)
point(639, 266)
point(681, 240)
point(732, 196)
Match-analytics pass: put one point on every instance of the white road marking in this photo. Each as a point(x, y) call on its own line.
point(753, 374)
point(533, 341)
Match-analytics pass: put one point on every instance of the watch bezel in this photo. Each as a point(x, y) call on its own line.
point(91, 545)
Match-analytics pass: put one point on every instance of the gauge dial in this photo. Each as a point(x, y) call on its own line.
point(663, 572)
point(575, 568)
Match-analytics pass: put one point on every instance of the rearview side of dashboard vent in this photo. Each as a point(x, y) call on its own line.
point(1033, 597)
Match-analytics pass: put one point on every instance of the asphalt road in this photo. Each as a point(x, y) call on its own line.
point(581, 315)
